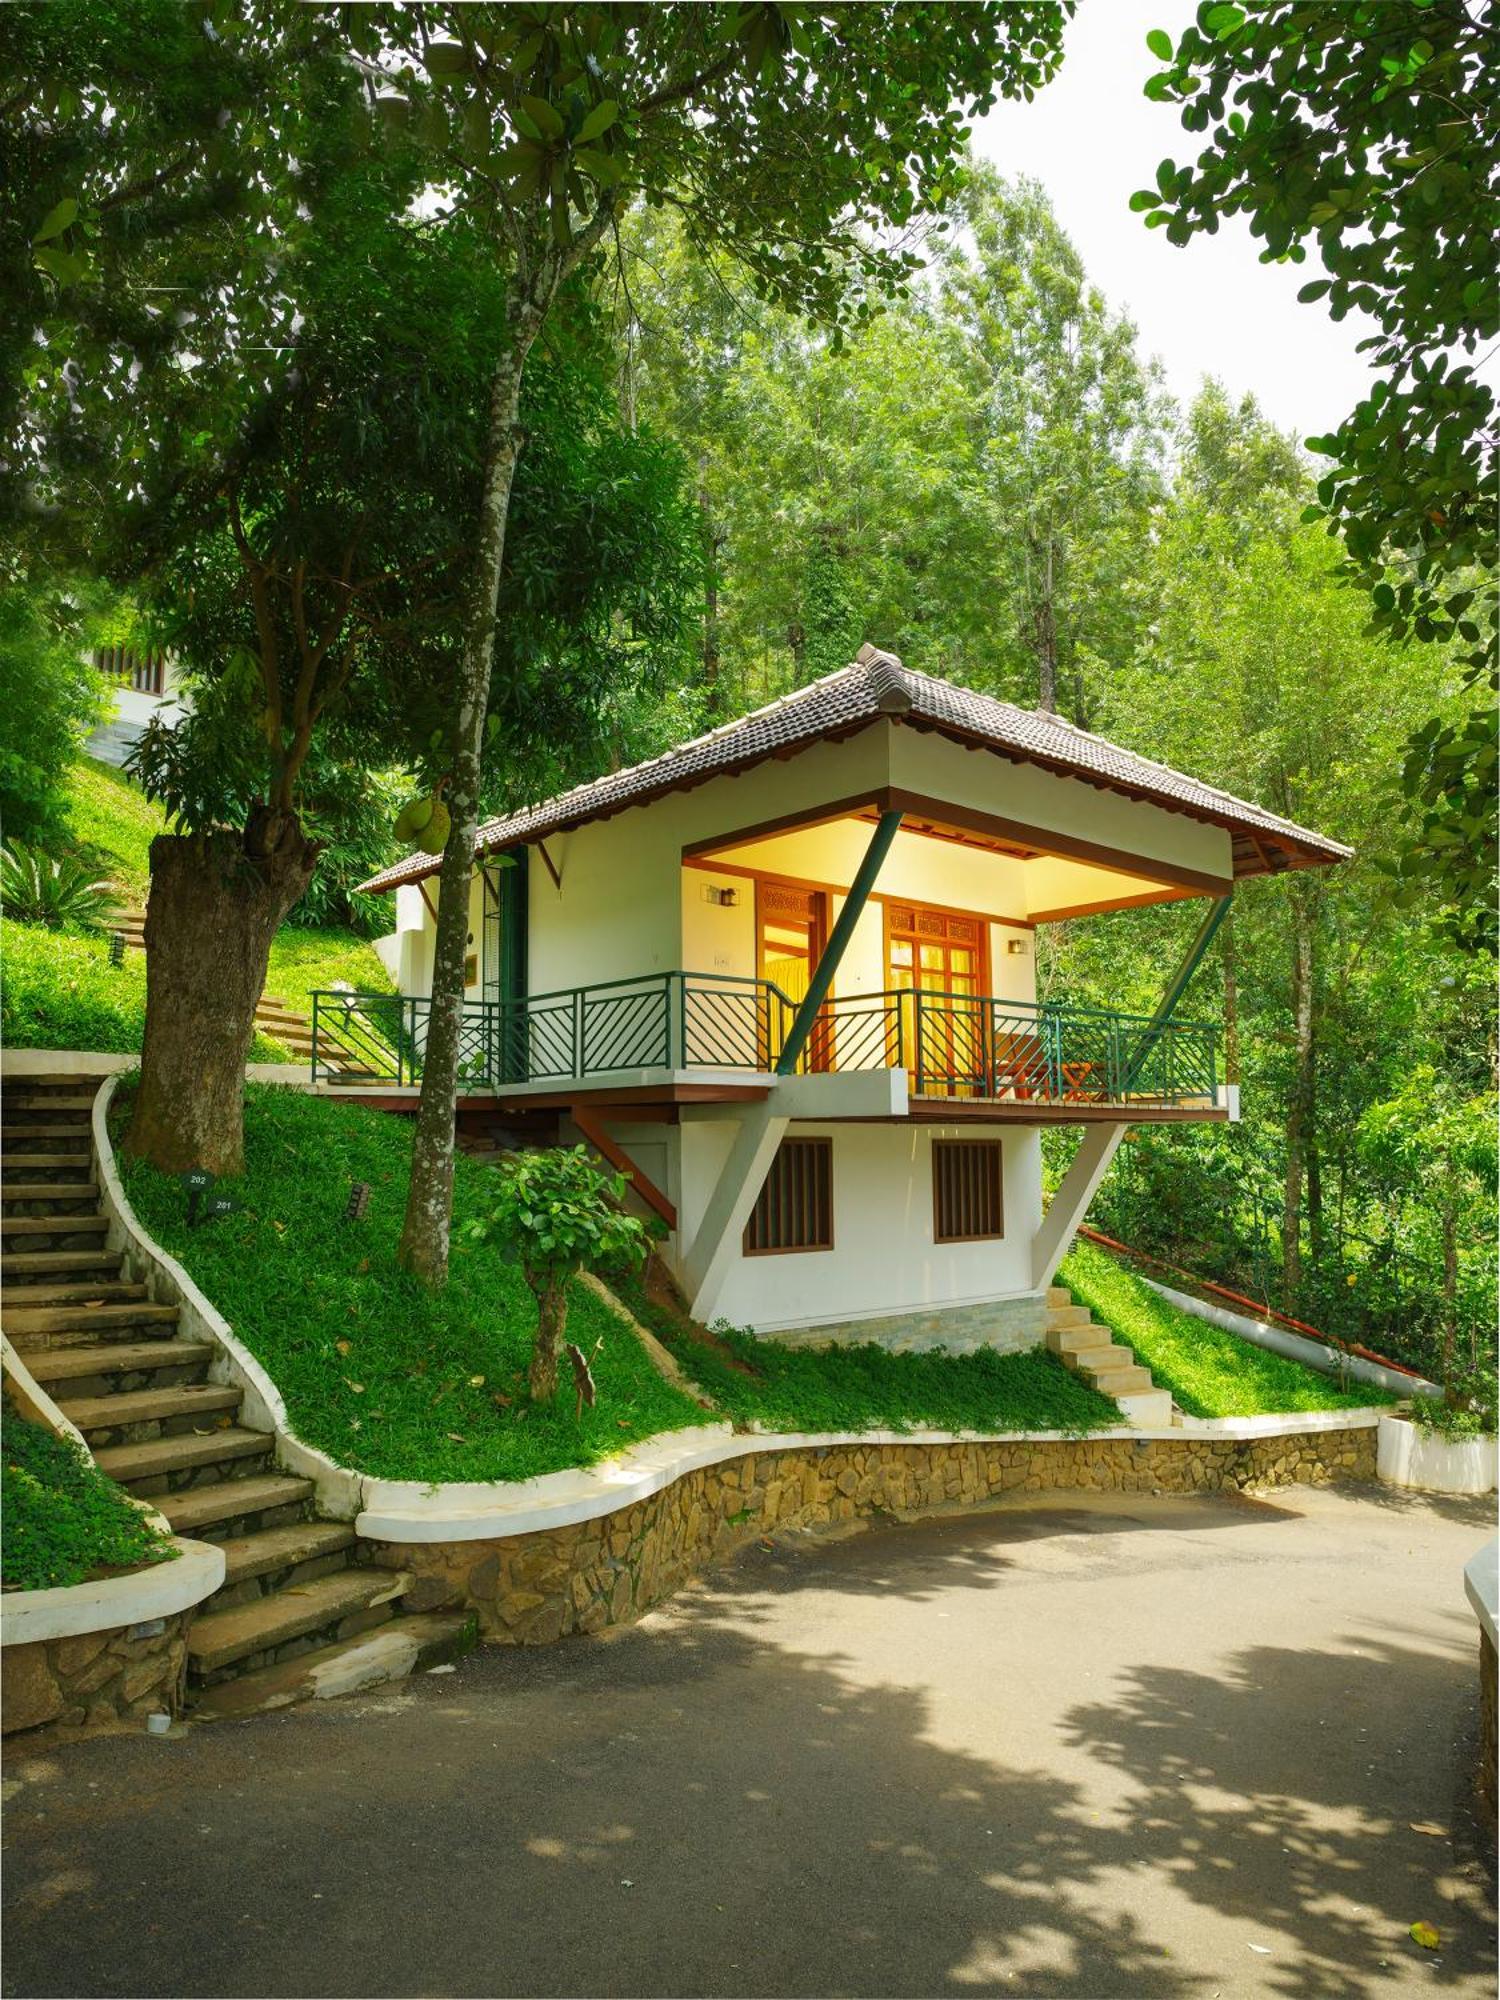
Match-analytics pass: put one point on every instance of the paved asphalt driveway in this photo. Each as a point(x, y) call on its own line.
point(1120, 1747)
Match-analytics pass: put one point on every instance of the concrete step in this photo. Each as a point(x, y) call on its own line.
point(33, 1135)
point(47, 1101)
point(23, 1160)
point(218, 1638)
point(57, 1263)
point(161, 1457)
point(118, 1357)
point(1101, 1360)
point(53, 1225)
point(1148, 1409)
point(59, 1191)
point(391, 1652)
point(85, 1320)
point(148, 1406)
point(71, 1291)
point(1061, 1317)
point(232, 1500)
point(271, 1549)
point(1059, 1295)
point(1078, 1339)
point(1124, 1382)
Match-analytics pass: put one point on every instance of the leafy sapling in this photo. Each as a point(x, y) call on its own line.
point(557, 1213)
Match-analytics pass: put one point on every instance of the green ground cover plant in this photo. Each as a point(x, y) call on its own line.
point(377, 1370)
point(63, 1520)
point(1210, 1372)
point(868, 1388)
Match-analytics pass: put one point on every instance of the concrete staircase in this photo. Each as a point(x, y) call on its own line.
point(1104, 1362)
point(298, 1615)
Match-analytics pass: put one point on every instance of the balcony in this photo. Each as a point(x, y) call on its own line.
point(955, 1048)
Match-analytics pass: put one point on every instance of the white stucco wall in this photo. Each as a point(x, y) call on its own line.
point(628, 906)
point(884, 1259)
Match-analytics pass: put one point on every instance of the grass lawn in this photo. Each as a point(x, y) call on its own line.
point(867, 1388)
point(107, 811)
point(63, 1520)
point(304, 962)
point(61, 992)
point(1211, 1373)
point(379, 1372)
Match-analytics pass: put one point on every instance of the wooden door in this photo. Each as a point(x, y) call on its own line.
point(940, 956)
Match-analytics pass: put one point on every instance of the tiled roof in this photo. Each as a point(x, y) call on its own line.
point(877, 685)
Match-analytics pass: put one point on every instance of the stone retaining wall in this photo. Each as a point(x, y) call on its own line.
point(96, 1680)
point(533, 1588)
point(1487, 1673)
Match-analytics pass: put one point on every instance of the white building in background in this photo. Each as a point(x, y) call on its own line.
point(142, 685)
point(784, 977)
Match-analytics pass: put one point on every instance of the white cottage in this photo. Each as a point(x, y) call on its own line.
point(784, 976)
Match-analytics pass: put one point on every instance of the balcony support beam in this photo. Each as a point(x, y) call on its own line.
point(1069, 1205)
point(1176, 986)
point(704, 1263)
point(886, 829)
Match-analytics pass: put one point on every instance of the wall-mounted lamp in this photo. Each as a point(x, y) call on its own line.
point(1017, 947)
point(726, 899)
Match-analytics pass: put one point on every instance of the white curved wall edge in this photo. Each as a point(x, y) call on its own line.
point(338, 1489)
point(1482, 1586)
point(106, 1062)
point(32, 1400)
point(397, 1510)
point(1428, 1463)
point(1281, 1425)
point(113, 1601)
point(1296, 1347)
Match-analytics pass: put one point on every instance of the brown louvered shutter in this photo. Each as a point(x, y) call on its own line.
point(794, 1210)
point(966, 1190)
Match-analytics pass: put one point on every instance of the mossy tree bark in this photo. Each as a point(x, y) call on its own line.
point(552, 1320)
point(216, 903)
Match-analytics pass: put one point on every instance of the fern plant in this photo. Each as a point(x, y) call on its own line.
point(59, 891)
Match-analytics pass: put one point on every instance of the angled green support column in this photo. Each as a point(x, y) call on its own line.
point(833, 952)
point(1177, 985)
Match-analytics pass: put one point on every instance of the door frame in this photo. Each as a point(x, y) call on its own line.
point(820, 1042)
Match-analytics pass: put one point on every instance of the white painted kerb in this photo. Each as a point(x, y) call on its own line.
point(113, 1601)
point(1482, 1586)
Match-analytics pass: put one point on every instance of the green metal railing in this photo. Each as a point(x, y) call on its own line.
point(952, 1044)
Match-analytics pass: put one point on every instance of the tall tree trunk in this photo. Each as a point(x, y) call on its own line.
point(1450, 1302)
point(552, 1319)
point(1300, 1098)
point(213, 911)
point(1044, 641)
point(712, 648)
point(429, 1202)
point(1231, 1000)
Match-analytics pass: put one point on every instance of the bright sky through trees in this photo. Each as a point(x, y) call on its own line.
point(1211, 308)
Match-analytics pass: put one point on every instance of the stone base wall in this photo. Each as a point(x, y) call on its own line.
point(1487, 1670)
point(96, 1681)
point(531, 1589)
point(1009, 1326)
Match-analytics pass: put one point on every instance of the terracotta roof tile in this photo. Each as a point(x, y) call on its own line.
point(876, 684)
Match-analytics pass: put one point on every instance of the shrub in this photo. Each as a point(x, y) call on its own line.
point(60, 891)
point(555, 1214)
point(63, 1519)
